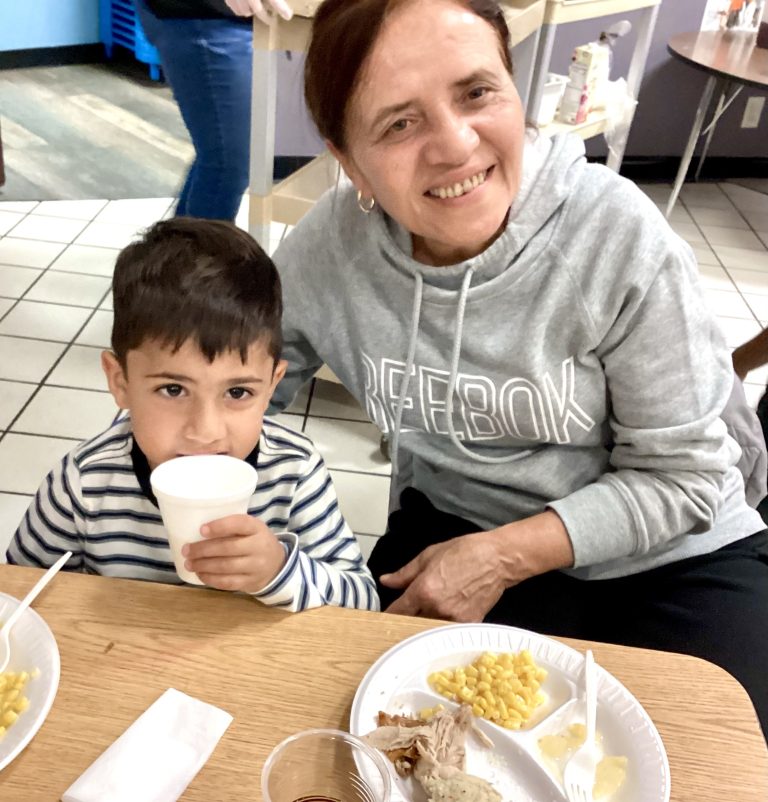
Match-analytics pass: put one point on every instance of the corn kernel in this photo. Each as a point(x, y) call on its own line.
point(12, 700)
point(503, 688)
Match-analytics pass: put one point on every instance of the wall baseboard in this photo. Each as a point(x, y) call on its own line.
point(716, 168)
point(52, 56)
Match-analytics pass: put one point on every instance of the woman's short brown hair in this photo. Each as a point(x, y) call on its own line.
point(343, 35)
point(201, 280)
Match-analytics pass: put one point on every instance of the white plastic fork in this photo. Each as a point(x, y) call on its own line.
point(579, 774)
point(5, 631)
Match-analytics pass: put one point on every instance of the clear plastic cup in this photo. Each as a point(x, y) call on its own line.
point(192, 491)
point(325, 766)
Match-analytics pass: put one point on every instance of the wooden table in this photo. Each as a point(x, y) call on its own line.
point(732, 62)
point(123, 643)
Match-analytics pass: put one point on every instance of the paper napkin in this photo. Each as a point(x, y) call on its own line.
point(155, 759)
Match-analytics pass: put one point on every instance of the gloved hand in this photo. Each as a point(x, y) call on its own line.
point(260, 8)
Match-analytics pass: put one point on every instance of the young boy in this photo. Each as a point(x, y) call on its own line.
point(195, 359)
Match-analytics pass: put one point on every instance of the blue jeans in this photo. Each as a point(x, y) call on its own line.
point(207, 63)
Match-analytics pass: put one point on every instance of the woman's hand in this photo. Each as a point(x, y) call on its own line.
point(256, 8)
point(458, 580)
point(238, 552)
point(463, 578)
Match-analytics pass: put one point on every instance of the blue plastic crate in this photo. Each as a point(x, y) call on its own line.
point(119, 25)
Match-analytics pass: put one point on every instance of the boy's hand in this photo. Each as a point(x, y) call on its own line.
point(239, 552)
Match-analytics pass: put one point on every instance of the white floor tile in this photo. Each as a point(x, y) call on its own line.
point(13, 396)
point(737, 332)
point(659, 193)
point(300, 403)
point(744, 199)
point(109, 235)
point(87, 259)
point(15, 281)
point(107, 303)
point(44, 321)
point(332, 400)
point(69, 288)
point(363, 499)
point(727, 304)
point(716, 278)
point(80, 367)
point(48, 229)
point(367, 542)
point(678, 214)
point(8, 220)
point(758, 220)
point(295, 422)
point(763, 237)
point(73, 209)
point(28, 253)
point(67, 413)
point(704, 254)
point(728, 218)
point(758, 304)
point(753, 392)
point(18, 206)
point(689, 232)
point(708, 196)
point(742, 258)
point(12, 509)
point(732, 238)
point(25, 460)
point(5, 305)
point(348, 445)
point(758, 376)
point(98, 332)
point(135, 211)
point(27, 360)
point(750, 281)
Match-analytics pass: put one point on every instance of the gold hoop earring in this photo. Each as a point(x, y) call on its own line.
point(366, 207)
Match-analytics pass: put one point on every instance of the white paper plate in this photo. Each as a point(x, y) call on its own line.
point(397, 683)
point(32, 647)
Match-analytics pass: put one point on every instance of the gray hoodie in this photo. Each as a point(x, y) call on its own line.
point(581, 366)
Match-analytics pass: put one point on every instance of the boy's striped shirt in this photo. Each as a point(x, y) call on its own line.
point(93, 504)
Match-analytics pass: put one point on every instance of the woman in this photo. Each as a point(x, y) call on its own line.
point(206, 53)
point(533, 336)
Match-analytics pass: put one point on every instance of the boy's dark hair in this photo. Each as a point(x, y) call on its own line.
point(204, 280)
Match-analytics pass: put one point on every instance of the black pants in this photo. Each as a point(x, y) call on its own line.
point(714, 606)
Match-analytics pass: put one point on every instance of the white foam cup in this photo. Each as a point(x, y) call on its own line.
point(192, 491)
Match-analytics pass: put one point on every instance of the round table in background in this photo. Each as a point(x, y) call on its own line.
point(730, 59)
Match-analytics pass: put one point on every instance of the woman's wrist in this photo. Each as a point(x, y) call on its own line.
point(532, 546)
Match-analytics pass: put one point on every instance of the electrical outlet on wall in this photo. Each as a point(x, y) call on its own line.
point(752, 111)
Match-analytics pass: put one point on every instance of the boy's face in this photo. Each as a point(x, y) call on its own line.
point(182, 405)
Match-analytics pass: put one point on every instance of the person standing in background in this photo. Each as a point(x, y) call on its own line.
point(206, 52)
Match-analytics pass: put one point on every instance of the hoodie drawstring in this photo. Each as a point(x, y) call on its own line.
point(457, 334)
point(452, 377)
point(415, 317)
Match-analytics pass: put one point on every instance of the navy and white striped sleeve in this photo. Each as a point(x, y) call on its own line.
point(324, 564)
point(52, 523)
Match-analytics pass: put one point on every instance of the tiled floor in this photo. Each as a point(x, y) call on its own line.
point(56, 260)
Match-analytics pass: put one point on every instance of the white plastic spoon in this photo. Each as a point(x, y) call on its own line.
point(5, 641)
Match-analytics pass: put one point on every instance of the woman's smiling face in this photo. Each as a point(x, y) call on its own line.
point(435, 129)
